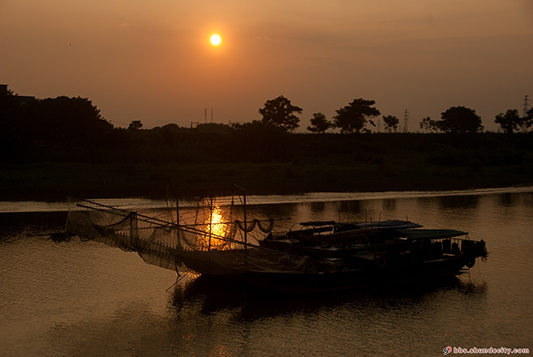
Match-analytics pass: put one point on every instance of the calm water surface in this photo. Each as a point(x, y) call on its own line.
point(88, 299)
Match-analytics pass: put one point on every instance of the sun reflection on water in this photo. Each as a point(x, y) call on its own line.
point(216, 228)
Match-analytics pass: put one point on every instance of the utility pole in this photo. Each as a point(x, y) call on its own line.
point(405, 120)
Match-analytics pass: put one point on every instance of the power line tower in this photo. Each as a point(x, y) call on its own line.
point(205, 115)
point(405, 120)
point(525, 108)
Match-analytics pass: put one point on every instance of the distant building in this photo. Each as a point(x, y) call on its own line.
point(3, 100)
point(8, 101)
point(3, 93)
point(21, 99)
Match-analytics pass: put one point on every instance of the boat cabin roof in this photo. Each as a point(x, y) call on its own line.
point(390, 224)
point(429, 233)
point(317, 223)
point(308, 231)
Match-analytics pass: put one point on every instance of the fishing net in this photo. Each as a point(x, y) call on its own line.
point(213, 248)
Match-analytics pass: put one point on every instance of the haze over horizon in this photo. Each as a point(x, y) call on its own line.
point(153, 61)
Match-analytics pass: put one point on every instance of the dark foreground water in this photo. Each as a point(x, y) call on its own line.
point(88, 299)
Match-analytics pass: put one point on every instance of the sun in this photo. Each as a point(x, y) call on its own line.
point(215, 40)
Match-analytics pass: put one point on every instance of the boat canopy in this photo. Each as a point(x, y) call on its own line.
point(429, 233)
point(390, 224)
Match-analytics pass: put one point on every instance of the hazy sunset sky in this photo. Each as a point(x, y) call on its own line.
point(152, 60)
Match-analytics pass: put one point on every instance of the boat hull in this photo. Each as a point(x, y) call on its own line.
point(354, 278)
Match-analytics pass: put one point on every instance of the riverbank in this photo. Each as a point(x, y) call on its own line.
point(264, 163)
point(52, 181)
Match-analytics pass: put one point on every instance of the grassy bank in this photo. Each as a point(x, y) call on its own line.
point(273, 163)
point(52, 181)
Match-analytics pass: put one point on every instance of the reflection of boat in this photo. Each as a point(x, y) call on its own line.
point(321, 256)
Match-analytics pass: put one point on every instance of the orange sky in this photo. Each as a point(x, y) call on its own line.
point(152, 60)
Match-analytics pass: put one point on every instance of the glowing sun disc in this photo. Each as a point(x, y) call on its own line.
point(215, 40)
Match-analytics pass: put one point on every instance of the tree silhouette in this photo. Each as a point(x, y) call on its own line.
point(429, 125)
point(319, 123)
point(170, 134)
point(70, 122)
point(528, 120)
point(259, 142)
point(353, 117)
point(38, 129)
point(460, 120)
point(135, 125)
point(280, 112)
point(509, 121)
point(391, 123)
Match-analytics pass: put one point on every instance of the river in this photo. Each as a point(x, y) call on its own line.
point(88, 299)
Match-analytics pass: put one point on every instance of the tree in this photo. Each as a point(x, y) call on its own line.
point(353, 117)
point(280, 112)
point(428, 125)
point(509, 121)
point(528, 120)
point(70, 122)
point(260, 142)
point(391, 123)
point(460, 120)
point(135, 125)
point(319, 123)
point(170, 134)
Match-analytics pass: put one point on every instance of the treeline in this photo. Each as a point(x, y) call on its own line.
point(54, 148)
point(72, 130)
point(47, 129)
point(354, 118)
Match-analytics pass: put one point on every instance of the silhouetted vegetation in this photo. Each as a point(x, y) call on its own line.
point(429, 125)
point(280, 112)
point(353, 117)
point(52, 148)
point(391, 123)
point(511, 121)
point(460, 120)
point(319, 123)
point(50, 129)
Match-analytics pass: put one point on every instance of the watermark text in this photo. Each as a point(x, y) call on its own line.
point(491, 350)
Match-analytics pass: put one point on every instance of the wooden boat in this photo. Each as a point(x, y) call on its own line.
point(321, 256)
point(371, 254)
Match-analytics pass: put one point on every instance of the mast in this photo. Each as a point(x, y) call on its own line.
point(170, 187)
point(210, 222)
point(244, 211)
point(245, 225)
